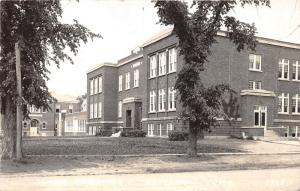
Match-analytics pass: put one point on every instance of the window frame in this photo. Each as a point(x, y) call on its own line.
point(127, 81)
point(153, 66)
point(171, 99)
point(136, 78)
point(282, 64)
point(253, 67)
point(281, 99)
point(120, 83)
point(162, 63)
point(172, 60)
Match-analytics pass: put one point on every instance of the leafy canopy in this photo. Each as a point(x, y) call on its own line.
point(37, 25)
point(197, 31)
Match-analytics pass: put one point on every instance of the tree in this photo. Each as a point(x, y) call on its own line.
point(197, 32)
point(37, 25)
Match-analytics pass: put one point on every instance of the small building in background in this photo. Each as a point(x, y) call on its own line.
point(53, 122)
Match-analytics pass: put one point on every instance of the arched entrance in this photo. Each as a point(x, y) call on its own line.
point(34, 127)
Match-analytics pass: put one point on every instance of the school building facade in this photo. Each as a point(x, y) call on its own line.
point(138, 91)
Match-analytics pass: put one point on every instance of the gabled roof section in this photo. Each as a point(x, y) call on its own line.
point(167, 32)
point(97, 66)
point(161, 35)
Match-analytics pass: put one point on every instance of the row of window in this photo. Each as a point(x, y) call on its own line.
point(136, 79)
point(96, 110)
point(162, 62)
point(159, 130)
point(58, 109)
point(283, 67)
point(162, 100)
point(75, 126)
point(33, 109)
point(96, 85)
point(26, 125)
point(283, 103)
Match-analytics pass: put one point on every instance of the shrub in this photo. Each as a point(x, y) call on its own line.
point(133, 133)
point(103, 133)
point(178, 136)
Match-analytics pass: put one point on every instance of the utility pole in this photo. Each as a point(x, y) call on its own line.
point(19, 101)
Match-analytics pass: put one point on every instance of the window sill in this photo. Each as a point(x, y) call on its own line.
point(161, 111)
point(293, 80)
point(279, 113)
point(135, 87)
point(172, 72)
point(172, 110)
point(253, 70)
point(127, 89)
point(296, 114)
point(152, 77)
point(151, 112)
point(160, 75)
point(282, 79)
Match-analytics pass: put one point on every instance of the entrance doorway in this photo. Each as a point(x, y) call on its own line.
point(128, 118)
point(260, 116)
point(34, 127)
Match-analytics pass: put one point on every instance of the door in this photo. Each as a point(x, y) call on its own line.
point(34, 127)
point(128, 118)
point(260, 116)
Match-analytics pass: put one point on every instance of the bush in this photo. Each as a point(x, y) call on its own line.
point(103, 133)
point(178, 136)
point(133, 133)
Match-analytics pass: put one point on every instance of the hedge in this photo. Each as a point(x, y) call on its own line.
point(133, 133)
point(178, 136)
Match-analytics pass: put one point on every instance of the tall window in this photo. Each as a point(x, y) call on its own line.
point(152, 101)
point(296, 70)
point(99, 109)
point(100, 84)
point(153, 66)
point(127, 81)
point(161, 100)
point(283, 72)
point(296, 104)
point(70, 108)
point(120, 82)
point(43, 125)
point(96, 85)
point(136, 77)
point(120, 109)
point(283, 103)
point(150, 130)
point(169, 128)
point(57, 108)
point(254, 85)
point(172, 60)
point(91, 87)
point(260, 116)
point(162, 63)
point(254, 62)
point(95, 110)
point(25, 125)
point(171, 99)
point(91, 111)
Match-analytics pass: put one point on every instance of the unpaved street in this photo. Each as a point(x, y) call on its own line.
point(271, 179)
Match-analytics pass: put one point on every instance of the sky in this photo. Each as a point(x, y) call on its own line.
point(126, 24)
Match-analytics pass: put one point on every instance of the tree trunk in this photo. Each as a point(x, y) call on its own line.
point(192, 142)
point(8, 124)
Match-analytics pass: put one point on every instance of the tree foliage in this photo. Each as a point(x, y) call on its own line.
point(197, 32)
point(37, 25)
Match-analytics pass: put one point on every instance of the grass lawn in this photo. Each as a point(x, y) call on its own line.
point(120, 146)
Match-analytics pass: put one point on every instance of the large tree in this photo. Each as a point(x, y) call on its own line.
point(197, 32)
point(43, 38)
